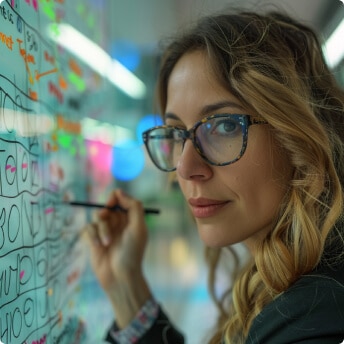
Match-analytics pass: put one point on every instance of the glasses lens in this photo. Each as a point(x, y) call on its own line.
point(165, 146)
point(220, 139)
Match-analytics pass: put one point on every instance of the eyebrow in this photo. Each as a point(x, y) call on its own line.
point(211, 108)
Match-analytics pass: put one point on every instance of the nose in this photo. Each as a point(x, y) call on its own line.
point(191, 166)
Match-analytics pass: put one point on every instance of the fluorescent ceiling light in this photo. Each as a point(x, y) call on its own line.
point(98, 59)
point(334, 46)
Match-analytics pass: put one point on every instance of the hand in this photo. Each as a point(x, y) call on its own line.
point(117, 243)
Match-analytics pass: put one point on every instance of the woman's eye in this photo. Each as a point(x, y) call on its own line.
point(225, 127)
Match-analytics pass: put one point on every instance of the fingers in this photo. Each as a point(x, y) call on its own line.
point(117, 239)
point(104, 233)
point(108, 225)
point(105, 226)
point(134, 209)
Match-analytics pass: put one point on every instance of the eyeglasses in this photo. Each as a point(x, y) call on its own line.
point(219, 139)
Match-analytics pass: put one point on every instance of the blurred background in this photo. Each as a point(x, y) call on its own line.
point(174, 261)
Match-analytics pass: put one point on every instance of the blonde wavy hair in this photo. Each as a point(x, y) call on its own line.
point(275, 67)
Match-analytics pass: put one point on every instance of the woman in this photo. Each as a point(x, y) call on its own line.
point(254, 132)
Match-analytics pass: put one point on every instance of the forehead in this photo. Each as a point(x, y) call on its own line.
point(194, 89)
point(193, 66)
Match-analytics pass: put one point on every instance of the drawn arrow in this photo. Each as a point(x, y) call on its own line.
point(39, 75)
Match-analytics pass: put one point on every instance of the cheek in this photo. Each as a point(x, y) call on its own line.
point(261, 187)
point(262, 200)
point(266, 176)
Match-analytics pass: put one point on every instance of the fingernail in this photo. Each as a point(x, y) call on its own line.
point(105, 240)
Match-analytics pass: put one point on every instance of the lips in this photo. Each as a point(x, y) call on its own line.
point(204, 207)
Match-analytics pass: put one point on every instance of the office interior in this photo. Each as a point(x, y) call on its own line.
point(174, 262)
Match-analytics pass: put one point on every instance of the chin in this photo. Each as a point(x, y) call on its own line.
point(217, 240)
